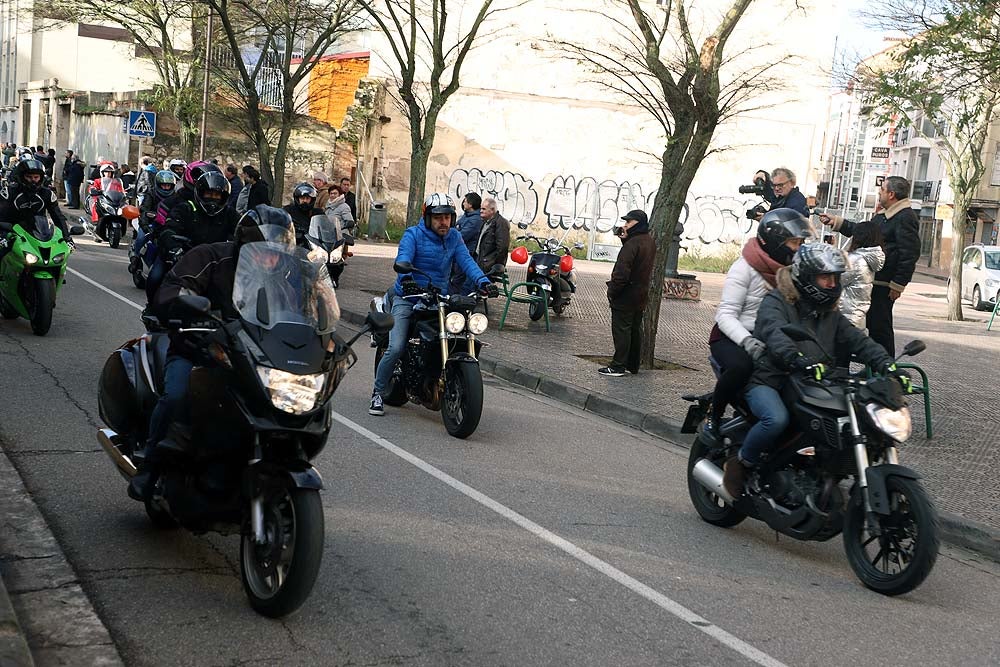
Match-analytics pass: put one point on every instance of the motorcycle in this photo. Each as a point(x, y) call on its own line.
point(113, 210)
point(551, 267)
point(835, 470)
point(259, 413)
point(439, 368)
point(32, 271)
point(329, 243)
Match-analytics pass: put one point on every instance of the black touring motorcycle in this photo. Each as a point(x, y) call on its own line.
point(439, 368)
point(259, 413)
point(836, 469)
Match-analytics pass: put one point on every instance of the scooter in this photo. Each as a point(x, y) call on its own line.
point(551, 267)
point(113, 212)
point(32, 271)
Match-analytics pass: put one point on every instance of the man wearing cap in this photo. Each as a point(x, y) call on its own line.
point(628, 291)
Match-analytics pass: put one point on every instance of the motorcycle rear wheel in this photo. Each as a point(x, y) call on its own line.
point(462, 403)
point(278, 576)
point(901, 558)
point(710, 507)
point(395, 392)
point(40, 308)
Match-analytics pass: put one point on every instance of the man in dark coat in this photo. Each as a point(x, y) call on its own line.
point(75, 181)
point(901, 231)
point(628, 291)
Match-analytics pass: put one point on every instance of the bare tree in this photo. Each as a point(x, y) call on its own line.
point(429, 54)
point(268, 51)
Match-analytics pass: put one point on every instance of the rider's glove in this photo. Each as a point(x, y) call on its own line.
point(892, 371)
point(410, 287)
point(809, 367)
point(174, 255)
point(489, 290)
point(71, 243)
point(754, 347)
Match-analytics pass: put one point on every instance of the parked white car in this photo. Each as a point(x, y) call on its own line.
point(981, 275)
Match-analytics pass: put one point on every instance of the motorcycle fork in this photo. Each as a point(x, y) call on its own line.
point(862, 463)
point(443, 336)
point(257, 502)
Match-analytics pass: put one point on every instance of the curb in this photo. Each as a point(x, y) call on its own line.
point(954, 529)
point(932, 276)
point(13, 646)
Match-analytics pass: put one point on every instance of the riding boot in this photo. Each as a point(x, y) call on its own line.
point(142, 485)
point(734, 476)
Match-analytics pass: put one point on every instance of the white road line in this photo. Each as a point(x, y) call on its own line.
point(657, 598)
point(103, 288)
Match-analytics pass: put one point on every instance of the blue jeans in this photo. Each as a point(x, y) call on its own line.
point(402, 312)
point(173, 403)
point(157, 273)
point(69, 192)
point(772, 415)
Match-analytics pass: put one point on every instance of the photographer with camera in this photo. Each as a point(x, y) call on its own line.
point(778, 189)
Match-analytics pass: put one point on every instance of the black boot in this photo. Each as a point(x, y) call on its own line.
point(141, 486)
point(734, 476)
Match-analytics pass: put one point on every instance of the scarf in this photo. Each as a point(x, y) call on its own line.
point(760, 261)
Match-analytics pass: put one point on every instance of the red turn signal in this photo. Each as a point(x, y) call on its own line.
point(566, 263)
point(519, 254)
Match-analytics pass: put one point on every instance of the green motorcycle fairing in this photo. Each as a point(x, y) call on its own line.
point(40, 253)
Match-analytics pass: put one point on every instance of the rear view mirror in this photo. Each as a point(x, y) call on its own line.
point(348, 240)
point(913, 348)
point(76, 230)
point(496, 271)
point(579, 245)
point(6, 227)
point(522, 225)
point(94, 192)
point(402, 267)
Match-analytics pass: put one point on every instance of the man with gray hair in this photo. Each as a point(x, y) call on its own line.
point(901, 232)
point(783, 193)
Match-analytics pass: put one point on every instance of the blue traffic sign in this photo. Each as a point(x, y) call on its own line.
point(142, 124)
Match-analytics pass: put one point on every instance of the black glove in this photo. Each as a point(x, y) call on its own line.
point(174, 255)
point(410, 287)
point(891, 370)
point(70, 242)
point(489, 290)
point(810, 367)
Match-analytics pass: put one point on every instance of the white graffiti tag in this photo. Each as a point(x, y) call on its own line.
point(708, 219)
point(516, 198)
point(590, 205)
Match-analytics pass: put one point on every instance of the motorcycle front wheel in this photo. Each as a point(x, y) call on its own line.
point(43, 300)
point(279, 575)
point(900, 558)
point(114, 236)
point(462, 404)
point(536, 309)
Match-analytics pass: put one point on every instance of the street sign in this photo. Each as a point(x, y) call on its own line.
point(880, 152)
point(142, 124)
point(879, 180)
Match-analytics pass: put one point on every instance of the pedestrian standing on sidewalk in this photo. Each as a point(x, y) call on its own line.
point(628, 291)
point(865, 258)
point(901, 232)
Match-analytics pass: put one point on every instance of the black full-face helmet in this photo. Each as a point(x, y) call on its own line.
point(26, 167)
point(812, 260)
point(211, 192)
point(301, 191)
point(265, 223)
point(778, 226)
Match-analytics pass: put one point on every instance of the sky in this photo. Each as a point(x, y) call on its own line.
point(853, 36)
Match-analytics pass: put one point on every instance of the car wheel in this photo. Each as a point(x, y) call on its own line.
point(977, 299)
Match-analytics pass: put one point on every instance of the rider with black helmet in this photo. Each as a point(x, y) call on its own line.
point(302, 209)
point(163, 185)
point(733, 345)
point(208, 270)
point(24, 195)
point(806, 296)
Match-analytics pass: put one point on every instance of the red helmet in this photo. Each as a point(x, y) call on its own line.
point(566, 263)
point(519, 254)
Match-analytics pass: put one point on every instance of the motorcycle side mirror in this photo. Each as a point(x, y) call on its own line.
point(348, 240)
point(522, 225)
point(579, 245)
point(402, 267)
point(94, 192)
point(913, 348)
point(496, 271)
point(76, 230)
point(79, 219)
point(378, 323)
point(194, 304)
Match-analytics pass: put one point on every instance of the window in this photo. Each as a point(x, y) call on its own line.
point(993, 261)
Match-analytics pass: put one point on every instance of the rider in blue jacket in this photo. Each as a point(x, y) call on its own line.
point(431, 247)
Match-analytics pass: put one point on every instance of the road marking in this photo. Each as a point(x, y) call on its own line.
point(585, 557)
point(104, 289)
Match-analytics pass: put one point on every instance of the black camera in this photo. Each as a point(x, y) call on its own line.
point(759, 209)
point(758, 188)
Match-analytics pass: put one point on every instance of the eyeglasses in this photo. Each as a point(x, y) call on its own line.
point(779, 185)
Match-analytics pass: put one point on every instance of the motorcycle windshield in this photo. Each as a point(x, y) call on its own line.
point(43, 228)
point(110, 185)
point(275, 284)
point(324, 230)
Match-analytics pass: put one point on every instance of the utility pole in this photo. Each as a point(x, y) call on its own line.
point(204, 92)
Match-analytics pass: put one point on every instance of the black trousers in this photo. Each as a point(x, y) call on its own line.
point(737, 367)
point(626, 331)
point(879, 319)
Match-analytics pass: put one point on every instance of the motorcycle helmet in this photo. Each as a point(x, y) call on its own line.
point(436, 204)
point(211, 192)
point(165, 181)
point(107, 170)
point(177, 166)
point(304, 190)
point(25, 153)
point(265, 223)
point(194, 171)
point(814, 259)
point(25, 167)
point(778, 226)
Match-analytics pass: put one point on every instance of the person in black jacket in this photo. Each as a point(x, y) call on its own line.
point(901, 232)
point(806, 295)
point(302, 209)
point(208, 270)
point(24, 196)
point(780, 191)
point(258, 191)
point(76, 173)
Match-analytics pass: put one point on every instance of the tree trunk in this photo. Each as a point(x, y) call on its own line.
point(421, 143)
point(955, 271)
point(280, 151)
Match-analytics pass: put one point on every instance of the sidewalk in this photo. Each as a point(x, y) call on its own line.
point(957, 463)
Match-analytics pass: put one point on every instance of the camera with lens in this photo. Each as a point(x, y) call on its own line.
point(759, 187)
point(759, 209)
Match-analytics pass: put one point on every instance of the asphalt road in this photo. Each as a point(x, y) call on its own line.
point(549, 537)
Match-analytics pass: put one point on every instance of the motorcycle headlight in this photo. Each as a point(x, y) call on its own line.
point(58, 258)
point(478, 323)
point(894, 423)
point(30, 259)
point(292, 393)
point(454, 323)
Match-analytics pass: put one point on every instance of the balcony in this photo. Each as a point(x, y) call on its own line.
point(926, 190)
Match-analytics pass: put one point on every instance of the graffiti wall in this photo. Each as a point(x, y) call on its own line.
point(585, 204)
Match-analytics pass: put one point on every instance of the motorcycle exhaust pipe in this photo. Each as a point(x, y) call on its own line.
point(125, 466)
point(709, 475)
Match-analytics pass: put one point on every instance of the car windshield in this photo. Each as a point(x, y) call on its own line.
point(275, 284)
point(993, 260)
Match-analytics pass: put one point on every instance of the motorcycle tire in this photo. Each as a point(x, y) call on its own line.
point(159, 517)
point(296, 517)
point(536, 309)
point(462, 403)
point(114, 236)
point(395, 393)
point(912, 513)
point(710, 507)
point(43, 300)
point(139, 280)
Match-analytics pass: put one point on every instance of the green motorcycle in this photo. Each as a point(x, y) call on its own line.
point(32, 271)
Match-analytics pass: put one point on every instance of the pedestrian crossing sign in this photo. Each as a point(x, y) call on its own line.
point(142, 124)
